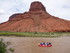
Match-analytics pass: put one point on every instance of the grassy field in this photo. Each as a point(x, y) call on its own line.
point(34, 34)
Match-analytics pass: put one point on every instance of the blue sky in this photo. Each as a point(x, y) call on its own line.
point(58, 8)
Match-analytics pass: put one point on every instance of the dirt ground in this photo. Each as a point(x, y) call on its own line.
point(30, 44)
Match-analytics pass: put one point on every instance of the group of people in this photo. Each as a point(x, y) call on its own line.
point(48, 43)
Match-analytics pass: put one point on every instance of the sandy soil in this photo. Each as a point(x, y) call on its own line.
point(30, 44)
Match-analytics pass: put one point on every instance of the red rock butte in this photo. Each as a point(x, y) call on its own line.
point(37, 19)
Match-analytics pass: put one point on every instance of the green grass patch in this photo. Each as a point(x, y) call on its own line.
point(34, 34)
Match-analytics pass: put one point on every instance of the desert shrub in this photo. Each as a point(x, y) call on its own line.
point(11, 49)
point(35, 32)
point(4, 45)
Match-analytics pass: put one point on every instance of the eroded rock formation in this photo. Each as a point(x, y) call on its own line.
point(37, 6)
point(37, 19)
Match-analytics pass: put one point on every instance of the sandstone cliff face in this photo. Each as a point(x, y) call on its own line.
point(37, 19)
point(37, 6)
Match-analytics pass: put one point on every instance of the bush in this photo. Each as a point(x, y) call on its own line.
point(3, 46)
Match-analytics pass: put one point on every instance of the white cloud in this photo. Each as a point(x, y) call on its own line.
point(2, 12)
point(59, 8)
point(56, 8)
